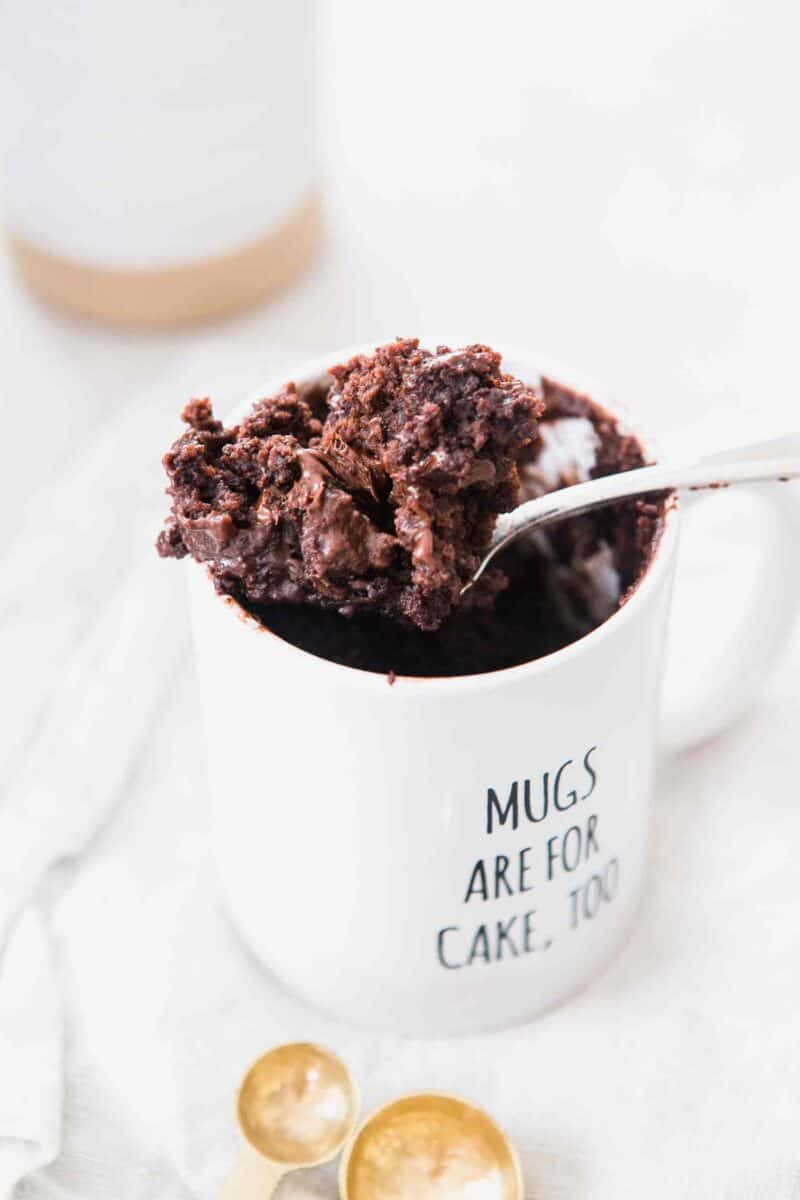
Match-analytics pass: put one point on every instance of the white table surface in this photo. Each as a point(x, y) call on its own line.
point(628, 205)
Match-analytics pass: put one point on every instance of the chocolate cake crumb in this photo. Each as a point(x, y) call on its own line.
point(382, 497)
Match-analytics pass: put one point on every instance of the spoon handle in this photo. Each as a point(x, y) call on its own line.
point(594, 493)
point(253, 1178)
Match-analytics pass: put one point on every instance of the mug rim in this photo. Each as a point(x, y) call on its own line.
point(657, 568)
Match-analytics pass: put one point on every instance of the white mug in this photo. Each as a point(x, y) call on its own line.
point(452, 854)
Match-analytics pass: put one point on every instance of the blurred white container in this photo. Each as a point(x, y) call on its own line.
point(159, 156)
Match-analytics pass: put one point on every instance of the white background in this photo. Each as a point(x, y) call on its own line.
point(617, 184)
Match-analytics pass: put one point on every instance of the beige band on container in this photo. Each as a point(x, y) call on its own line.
point(176, 295)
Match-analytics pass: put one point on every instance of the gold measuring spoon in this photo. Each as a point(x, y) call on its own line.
point(431, 1146)
point(296, 1108)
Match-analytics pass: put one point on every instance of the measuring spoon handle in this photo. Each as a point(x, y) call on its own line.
point(253, 1178)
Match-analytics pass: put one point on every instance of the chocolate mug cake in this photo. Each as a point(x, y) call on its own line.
point(464, 848)
point(347, 515)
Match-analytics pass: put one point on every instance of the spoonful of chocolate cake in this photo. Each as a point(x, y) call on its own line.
point(374, 516)
point(382, 497)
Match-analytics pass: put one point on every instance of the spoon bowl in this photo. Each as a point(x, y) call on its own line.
point(297, 1105)
point(430, 1145)
point(296, 1108)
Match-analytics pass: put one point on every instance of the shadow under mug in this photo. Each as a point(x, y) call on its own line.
point(448, 855)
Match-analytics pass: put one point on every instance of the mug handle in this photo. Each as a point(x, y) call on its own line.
point(698, 702)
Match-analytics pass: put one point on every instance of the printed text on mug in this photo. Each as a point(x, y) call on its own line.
point(573, 856)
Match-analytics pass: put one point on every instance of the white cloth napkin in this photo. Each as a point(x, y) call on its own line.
point(129, 1009)
point(88, 644)
point(30, 1053)
point(93, 635)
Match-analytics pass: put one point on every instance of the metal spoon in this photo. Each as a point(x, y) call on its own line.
point(741, 466)
point(431, 1146)
point(296, 1108)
